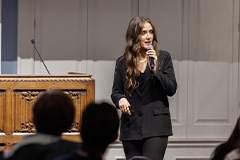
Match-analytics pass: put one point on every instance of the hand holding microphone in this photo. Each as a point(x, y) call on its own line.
point(152, 55)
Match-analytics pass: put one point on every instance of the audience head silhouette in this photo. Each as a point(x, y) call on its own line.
point(231, 144)
point(53, 112)
point(99, 127)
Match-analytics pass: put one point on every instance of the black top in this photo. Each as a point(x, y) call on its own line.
point(141, 79)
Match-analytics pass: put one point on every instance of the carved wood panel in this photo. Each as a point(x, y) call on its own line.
point(2, 104)
point(24, 101)
point(2, 147)
point(79, 100)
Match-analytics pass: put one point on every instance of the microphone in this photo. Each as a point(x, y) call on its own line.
point(33, 42)
point(150, 58)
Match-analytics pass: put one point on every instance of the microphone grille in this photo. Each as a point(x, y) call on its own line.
point(149, 47)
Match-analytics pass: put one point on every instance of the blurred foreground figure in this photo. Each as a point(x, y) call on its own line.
point(229, 150)
point(100, 123)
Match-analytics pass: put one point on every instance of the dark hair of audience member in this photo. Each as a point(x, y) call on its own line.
point(232, 143)
point(99, 127)
point(53, 112)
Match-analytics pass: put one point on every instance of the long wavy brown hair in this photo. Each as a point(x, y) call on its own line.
point(132, 50)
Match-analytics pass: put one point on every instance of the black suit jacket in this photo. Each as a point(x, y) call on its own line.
point(150, 108)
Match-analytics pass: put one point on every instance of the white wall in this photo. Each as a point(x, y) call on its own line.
point(202, 36)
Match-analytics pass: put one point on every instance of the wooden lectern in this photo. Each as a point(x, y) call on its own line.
point(19, 92)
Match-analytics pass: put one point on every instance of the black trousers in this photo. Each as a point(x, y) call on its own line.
point(153, 148)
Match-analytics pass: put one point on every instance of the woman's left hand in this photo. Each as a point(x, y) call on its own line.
point(152, 53)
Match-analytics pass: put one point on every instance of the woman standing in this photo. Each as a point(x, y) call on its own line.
point(141, 91)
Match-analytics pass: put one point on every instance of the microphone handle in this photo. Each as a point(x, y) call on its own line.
point(151, 58)
point(151, 62)
point(41, 58)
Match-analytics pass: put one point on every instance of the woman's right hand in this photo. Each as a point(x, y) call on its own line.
point(124, 106)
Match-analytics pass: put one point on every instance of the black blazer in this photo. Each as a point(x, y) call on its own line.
point(150, 108)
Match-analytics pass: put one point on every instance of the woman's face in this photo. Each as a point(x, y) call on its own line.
point(146, 36)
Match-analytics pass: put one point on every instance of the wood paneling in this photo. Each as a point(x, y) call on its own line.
point(2, 104)
point(19, 93)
